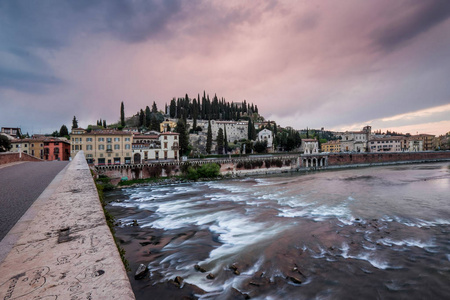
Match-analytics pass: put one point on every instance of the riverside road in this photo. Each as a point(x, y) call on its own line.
point(20, 185)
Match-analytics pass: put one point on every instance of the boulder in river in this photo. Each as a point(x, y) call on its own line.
point(294, 279)
point(199, 268)
point(141, 271)
point(210, 276)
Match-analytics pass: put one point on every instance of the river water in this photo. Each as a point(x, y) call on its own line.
point(371, 233)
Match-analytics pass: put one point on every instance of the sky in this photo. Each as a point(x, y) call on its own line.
point(339, 65)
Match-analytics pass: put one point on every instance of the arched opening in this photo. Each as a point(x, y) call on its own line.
point(137, 158)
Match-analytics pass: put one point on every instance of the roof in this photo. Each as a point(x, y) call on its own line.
point(108, 132)
point(309, 140)
point(170, 133)
point(148, 136)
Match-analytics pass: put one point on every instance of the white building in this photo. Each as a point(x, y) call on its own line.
point(164, 146)
point(266, 135)
point(386, 144)
point(309, 146)
point(355, 141)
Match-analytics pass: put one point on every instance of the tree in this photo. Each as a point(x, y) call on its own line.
point(148, 117)
point(225, 139)
point(173, 108)
point(154, 123)
point(104, 123)
point(260, 147)
point(154, 108)
point(63, 131)
point(209, 138)
point(55, 133)
point(74, 122)
point(141, 118)
point(220, 141)
point(122, 115)
point(184, 139)
point(5, 143)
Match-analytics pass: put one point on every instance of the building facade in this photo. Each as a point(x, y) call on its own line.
point(331, 146)
point(103, 147)
point(386, 144)
point(309, 146)
point(266, 135)
point(147, 148)
point(56, 149)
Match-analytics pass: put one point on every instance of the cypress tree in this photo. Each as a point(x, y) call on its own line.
point(148, 116)
point(122, 115)
point(63, 131)
point(184, 139)
point(173, 108)
point(209, 138)
point(74, 122)
point(220, 141)
point(225, 139)
point(141, 118)
point(104, 123)
point(154, 108)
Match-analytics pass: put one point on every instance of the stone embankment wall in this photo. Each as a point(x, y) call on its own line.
point(271, 164)
point(10, 157)
point(380, 158)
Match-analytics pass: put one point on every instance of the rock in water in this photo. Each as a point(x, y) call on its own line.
point(141, 272)
point(178, 280)
point(200, 269)
point(294, 279)
point(210, 276)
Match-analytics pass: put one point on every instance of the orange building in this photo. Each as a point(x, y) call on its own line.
point(56, 149)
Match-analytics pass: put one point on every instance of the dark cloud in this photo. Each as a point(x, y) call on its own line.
point(25, 81)
point(411, 20)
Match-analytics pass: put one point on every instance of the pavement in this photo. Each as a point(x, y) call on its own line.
point(20, 185)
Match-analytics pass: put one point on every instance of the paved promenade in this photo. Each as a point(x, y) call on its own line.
point(20, 185)
point(62, 248)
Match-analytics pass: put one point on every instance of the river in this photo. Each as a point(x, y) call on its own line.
point(368, 233)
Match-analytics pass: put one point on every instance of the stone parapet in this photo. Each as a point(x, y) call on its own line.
point(10, 157)
point(62, 247)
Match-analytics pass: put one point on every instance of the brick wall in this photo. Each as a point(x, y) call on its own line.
point(8, 157)
point(368, 158)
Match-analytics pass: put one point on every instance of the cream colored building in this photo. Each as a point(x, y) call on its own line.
point(102, 147)
point(167, 124)
point(309, 146)
point(266, 135)
point(386, 144)
point(356, 141)
point(147, 148)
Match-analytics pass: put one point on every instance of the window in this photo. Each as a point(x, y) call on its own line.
point(176, 137)
point(165, 144)
point(108, 140)
point(116, 147)
point(89, 147)
point(127, 139)
point(76, 147)
point(101, 139)
point(116, 139)
point(88, 139)
point(165, 137)
point(127, 146)
point(108, 147)
point(101, 147)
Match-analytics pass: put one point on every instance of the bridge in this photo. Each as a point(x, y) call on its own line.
point(62, 248)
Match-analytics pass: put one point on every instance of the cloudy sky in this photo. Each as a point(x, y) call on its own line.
point(333, 64)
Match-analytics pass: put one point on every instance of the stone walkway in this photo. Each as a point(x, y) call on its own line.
point(62, 248)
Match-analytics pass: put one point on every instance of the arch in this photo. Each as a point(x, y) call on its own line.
point(137, 158)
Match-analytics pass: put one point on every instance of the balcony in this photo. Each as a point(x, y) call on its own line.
point(109, 150)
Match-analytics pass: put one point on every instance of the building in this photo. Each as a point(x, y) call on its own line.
point(103, 147)
point(331, 146)
point(414, 145)
point(166, 124)
point(266, 135)
point(427, 140)
point(386, 144)
point(163, 146)
point(14, 132)
point(356, 141)
point(309, 146)
point(20, 145)
point(56, 149)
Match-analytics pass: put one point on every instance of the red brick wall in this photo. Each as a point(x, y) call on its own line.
point(6, 158)
point(367, 158)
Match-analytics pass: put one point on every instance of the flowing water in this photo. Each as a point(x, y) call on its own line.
point(372, 233)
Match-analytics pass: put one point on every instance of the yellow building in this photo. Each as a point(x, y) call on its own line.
point(102, 147)
point(427, 139)
point(163, 126)
point(331, 146)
